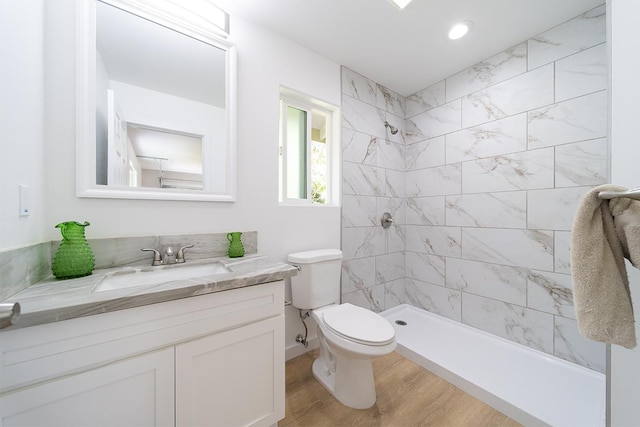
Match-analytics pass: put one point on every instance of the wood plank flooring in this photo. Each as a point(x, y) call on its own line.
point(408, 395)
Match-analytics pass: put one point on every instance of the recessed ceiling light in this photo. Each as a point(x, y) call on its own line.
point(460, 30)
point(400, 4)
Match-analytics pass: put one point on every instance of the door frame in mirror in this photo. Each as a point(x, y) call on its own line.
point(86, 186)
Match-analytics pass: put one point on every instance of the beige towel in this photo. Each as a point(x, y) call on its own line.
point(604, 233)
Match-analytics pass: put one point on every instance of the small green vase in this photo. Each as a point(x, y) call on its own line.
point(74, 257)
point(236, 249)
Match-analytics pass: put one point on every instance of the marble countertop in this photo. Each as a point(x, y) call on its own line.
point(54, 300)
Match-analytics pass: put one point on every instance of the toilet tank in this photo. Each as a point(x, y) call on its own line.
point(318, 282)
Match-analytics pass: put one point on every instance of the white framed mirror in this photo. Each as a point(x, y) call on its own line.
point(155, 103)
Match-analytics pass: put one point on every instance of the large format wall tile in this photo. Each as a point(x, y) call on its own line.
point(436, 299)
point(390, 155)
point(562, 254)
point(496, 69)
point(437, 181)
point(582, 163)
point(390, 267)
point(571, 346)
point(394, 293)
point(358, 274)
point(564, 201)
point(358, 147)
point(550, 292)
point(584, 72)
point(390, 101)
point(502, 210)
point(500, 282)
point(395, 184)
point(425, 267)
point(574, 120)
point(426, 99)
point(358, 87)
point(425, 154)
point(363, 117)
point(522, 93)
point(508, 135)
point(358, 211)
point(580, 33)
point(371, 298)
point(362, 180)
point(519, 171)
point(360, 242)
point(435, 240)
point(425, 210)
point(438, 121)
point(519, 324)
point(518, 248)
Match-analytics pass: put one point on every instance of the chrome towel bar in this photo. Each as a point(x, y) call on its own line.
point(634, 193)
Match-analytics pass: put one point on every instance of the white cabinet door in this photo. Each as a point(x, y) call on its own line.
point(133, 392)
point(233, 378)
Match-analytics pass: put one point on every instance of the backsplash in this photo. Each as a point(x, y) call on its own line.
point(22, 267)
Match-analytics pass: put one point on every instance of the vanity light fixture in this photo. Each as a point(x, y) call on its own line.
point(460, 29)
point(400, 4)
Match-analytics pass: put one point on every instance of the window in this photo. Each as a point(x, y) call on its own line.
point(309, 156)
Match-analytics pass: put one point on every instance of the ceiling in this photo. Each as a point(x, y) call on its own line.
point(406, 50)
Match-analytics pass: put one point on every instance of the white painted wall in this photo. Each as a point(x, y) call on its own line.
point(21, 121)
point(31, 134)
point(624, 15)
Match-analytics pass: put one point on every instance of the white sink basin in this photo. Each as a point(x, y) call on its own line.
point(129, 279)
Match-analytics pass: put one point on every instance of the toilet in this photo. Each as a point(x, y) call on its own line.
point(349, 336)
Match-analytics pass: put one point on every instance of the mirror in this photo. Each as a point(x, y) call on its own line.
point(156, 104)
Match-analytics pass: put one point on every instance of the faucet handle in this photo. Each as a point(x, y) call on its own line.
point(157, 259)
point(180, 255)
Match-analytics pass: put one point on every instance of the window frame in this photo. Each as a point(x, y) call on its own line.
point(291, 98)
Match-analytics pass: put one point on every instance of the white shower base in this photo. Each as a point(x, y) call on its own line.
point(529, 386)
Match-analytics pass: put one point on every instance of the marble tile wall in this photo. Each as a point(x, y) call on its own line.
point(373, 182)
point(497, 158)
point(22, 267)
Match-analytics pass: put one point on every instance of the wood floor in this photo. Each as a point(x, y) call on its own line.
point(408, 395)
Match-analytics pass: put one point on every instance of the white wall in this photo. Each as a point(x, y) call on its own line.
point(21, 121)
point(265, 61)
point(624, 374)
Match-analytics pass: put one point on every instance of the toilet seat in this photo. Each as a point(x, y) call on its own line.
point(358, 325)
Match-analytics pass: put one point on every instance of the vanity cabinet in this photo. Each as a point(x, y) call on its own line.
point(134, 392)
point(214, 360)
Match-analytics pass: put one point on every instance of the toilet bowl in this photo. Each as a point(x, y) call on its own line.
point(349, 336)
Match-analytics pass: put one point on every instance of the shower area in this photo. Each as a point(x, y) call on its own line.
point(482, 173)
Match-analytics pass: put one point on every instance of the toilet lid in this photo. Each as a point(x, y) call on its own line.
point(359, 324)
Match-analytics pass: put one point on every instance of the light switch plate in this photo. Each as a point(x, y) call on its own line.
point(25, 200)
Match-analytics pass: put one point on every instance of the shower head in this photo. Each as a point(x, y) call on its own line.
point(393, 129)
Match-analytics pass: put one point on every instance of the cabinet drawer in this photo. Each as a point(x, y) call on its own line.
point(37, 353)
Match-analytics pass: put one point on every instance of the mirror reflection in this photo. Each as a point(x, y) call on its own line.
point(160, 104)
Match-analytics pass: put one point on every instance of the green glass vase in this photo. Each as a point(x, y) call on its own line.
point(236, 249)
point(74, 257)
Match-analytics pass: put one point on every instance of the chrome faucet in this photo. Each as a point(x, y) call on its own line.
point(169, 257)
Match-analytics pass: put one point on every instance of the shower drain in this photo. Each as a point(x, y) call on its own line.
point(401, 323)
